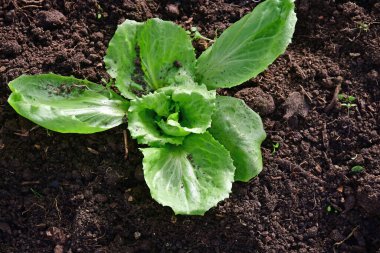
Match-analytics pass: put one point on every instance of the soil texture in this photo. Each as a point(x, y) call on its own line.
point(77, 193)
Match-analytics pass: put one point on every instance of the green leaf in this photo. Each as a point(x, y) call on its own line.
point(240, 130)
point(342, 97)
point(196, 105)
point(357, 169)
point(66, 104)
point(163, 49)
point(172, 128)
point(144, 113)
point(351, 98)
point(249, 46)
point(166, 52)
point(171, 113)
point(120, 59)
point(191, 178)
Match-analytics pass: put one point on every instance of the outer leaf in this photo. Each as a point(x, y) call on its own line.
point(171, 113)
point(247, 47)
point(192, 178)
point(166, 53)
point(240, 130)
point(121, 58)
point(66, 104)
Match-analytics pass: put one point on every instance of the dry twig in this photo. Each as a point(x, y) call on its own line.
point(125, 144)
point(345, 239)
point(334, 99)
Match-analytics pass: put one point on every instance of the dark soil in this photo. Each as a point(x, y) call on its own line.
point(77, 193)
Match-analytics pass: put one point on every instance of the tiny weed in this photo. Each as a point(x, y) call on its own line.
point(331, 209)
point(357, 169)
point(36, 193)
point(347, 101)
point(275, 146)
point(363, 26)
point(196, 35)
point(99, 11)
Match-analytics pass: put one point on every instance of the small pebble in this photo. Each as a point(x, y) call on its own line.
point(172, 9)
point(51, 19)
point(101, 198)
point(258, 100)
point(137, 235)
point(58, 249)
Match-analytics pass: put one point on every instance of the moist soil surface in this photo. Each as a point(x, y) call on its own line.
point(77, 193)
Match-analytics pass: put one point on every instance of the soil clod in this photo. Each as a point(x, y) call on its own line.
point(81, 191)
point(368, 195)
point(295, 105)
point(258, 100)
point(51, 19)
point(172, 9)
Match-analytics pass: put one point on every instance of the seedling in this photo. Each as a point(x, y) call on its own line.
point(36, 193)
point(198, 143)
point(196, 35)
point(347, 101)
point(98, 11)
point(357, 169)
point(331, 209)
point(363, 26)
point(275, 146)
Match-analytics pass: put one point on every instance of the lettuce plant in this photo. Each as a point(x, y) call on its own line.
point(196, 142)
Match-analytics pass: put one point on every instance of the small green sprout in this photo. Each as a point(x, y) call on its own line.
point(345, 98)
point(331, 209)
point(347, 101)
point(196, 35)
point(99, 11)
point(275, 146)
point(357, 169)
point(36, 193)
point(363, 26)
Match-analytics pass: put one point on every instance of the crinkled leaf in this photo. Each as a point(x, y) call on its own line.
point(144, 113)
point(191, 178)
point(240, 130)
point(172, 126)
point(121, 56)
point(196, 105)
point(167, 55)
point(156, 53)
point(247, 47)
point(171, 113)
point(66, 104)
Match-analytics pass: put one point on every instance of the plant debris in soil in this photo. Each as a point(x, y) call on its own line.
point(77, 193)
